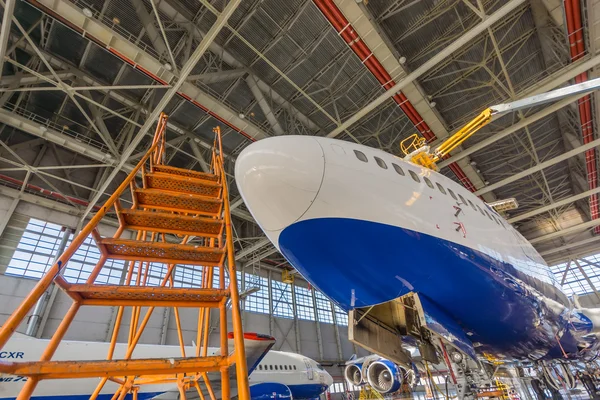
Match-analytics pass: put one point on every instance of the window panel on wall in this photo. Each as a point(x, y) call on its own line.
point(304, 303)
point(341, 316)
point(257, 301)
point(574, 281)
point(282, 299)
point(323, 308)
point(36, 249)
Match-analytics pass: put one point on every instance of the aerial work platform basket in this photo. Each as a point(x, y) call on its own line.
point(170, 208)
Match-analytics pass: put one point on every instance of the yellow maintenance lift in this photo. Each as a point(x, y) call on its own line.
point(184, 204)
point(418, 152)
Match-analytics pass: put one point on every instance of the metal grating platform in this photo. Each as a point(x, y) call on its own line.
point(185, 184)
point(159, 221)
point(185, 172)
point(160, 296)
point(177, 201)
point(168, 253)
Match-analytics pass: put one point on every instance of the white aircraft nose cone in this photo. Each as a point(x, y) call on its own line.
point(279, 178)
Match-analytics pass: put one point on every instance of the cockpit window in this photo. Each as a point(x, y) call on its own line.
point(414, 176)
point(380, 162)
point(462, 199)
point(399, 170)
point(361, 156)
point(319, 366)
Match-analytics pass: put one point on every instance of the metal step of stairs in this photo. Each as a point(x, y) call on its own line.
point(178, 183)
point(177, 201)
point(165, 222)
point(107, 295)
point(168, 253)
point(165, 169)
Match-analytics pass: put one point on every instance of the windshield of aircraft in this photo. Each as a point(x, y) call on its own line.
point(320, 367)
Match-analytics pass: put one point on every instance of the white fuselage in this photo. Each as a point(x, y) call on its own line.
point(298, 370)
point(289, 369)
point(301, 178)
point(366, 227)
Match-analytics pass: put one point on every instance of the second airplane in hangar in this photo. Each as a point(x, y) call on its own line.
point(412, 252)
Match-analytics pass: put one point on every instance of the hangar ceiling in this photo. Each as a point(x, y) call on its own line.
point(82, 78)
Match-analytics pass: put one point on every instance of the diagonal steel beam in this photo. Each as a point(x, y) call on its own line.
point(569, 246)
point(255, 247)
point(432, 62)
point(177, 17)
point(560, 203)
point(72, 16)
point(186, 70)
point(572, 229)
point(264, 105)
point(9, 7)
point(219, 76)
point(552, 82)
point(539, 167)
point(587, 278)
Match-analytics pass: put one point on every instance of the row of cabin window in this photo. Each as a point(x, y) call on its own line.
point(362, 157)
point(270, 367)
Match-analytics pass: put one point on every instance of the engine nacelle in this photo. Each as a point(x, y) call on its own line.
point(384, 376)
point(353, 374)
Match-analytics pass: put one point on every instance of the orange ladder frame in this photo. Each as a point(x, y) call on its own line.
point(130, 374)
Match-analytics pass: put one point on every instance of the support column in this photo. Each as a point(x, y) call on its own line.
point(9, 7)
point(317, 324)
point(296, 327)
point(336, 328)
point(35, 327)
point(165, 325)
point(271, 322)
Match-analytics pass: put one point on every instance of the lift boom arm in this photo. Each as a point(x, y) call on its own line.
point(425, 158)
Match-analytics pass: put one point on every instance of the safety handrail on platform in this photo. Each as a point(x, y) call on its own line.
point(171, 201)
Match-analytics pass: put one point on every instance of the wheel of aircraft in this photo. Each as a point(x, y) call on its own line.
point(538, 388)
point(556, 394)
point(588, 384)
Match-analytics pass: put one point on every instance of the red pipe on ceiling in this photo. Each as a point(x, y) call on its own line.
point(38, 189)
point(333, 14)
point(577, 50)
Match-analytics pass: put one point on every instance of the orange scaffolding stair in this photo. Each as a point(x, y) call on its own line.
point(172, 203)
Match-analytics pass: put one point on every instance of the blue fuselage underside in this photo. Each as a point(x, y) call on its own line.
point(361, 263)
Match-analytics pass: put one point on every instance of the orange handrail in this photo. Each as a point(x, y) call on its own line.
point(11, 324)
point(238, 330)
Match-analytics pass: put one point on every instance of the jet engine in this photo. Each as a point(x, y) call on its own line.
point(384, 376)
point(353, 374)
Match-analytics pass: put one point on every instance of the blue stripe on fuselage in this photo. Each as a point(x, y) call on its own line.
point(307, 391)
point(361, 263)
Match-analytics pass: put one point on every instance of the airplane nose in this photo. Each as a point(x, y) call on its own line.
point(279, 178)
point(328, 379)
